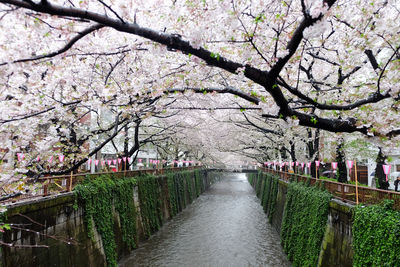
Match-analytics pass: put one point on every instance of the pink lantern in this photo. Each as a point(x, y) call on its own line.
point(38, 158)
point(140, 160)
point(103, 162)
point(265, 163)
point(317, 162)
point(96, 162)
point(334, 165)
point(130, 159)
point(309, 165)
point(109, 162)
point(119, 160)
point(61, 158)
point(350, 164)
point(292, 164)
point(20, 156)
point(302, 165)
point(297, 163)
point(124, 159)
point(114, 161)
point(386, 170)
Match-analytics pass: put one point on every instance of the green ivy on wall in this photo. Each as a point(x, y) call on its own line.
point(304, 222)
point(98, 197)
point(183, 188)
point(173, 194)
point(150, 203)
point(376, 235)
point(266, 185)
point(259, 186)
point(105, 197)
point(271, 198)
point(267, 190)
point(198, 183)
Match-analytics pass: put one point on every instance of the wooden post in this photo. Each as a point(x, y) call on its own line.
point(355, 170)
point(316, 171)
point(343, 193)
point(45, 187)
point(125, 168)
point(69, 184)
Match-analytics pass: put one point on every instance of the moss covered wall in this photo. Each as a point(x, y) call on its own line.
point(336, 248)
point(61, 222)
point(45, 218)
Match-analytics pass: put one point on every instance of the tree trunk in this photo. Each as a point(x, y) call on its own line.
point(340, 159)
point(313, 149)
point(379, 174)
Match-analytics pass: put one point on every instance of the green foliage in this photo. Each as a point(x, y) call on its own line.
point(376, 235)
point(271, 200)
point(200, 188)
point(98, 197)
point(150, 204)
point(251, 178)
point(358, 184)
point(304, 222)
point(173, 194)
point(327, 179)
point(179, 183)
point(215, 55)
point(266, 186)
point(260, 18)
point(258, 187)
point(314, 120)
point(268, 199)
point(125, 206)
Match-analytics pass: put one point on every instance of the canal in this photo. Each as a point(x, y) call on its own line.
point(226, 226)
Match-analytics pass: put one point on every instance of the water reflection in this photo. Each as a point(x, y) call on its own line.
point(226, 226)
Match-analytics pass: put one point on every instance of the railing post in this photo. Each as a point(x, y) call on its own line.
point(69, 183)
point(45, 188)
point(343, 193)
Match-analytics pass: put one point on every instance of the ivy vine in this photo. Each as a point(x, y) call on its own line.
point(266, 185)
point(304, 222)
point(98, 197)
point(376, 235)
point(105, 197)
point(180, 183)
point(150, 204)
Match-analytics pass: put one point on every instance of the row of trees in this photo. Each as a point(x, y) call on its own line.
point(271, 67)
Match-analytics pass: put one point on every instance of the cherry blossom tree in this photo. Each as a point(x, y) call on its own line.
point(330, 65)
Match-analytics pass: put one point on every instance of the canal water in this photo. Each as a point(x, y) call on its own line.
point(226, 226)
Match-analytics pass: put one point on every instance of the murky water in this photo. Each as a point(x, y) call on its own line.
point(225, 226)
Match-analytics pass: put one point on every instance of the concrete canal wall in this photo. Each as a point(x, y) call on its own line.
point(336, 246)
point(89, 227)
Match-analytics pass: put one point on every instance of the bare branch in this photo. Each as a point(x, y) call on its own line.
point(112, 10)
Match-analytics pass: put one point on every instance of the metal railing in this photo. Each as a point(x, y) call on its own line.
point(51, 185)
point(342, 191)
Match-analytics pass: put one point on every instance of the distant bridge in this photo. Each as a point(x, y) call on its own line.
point(240, 170)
